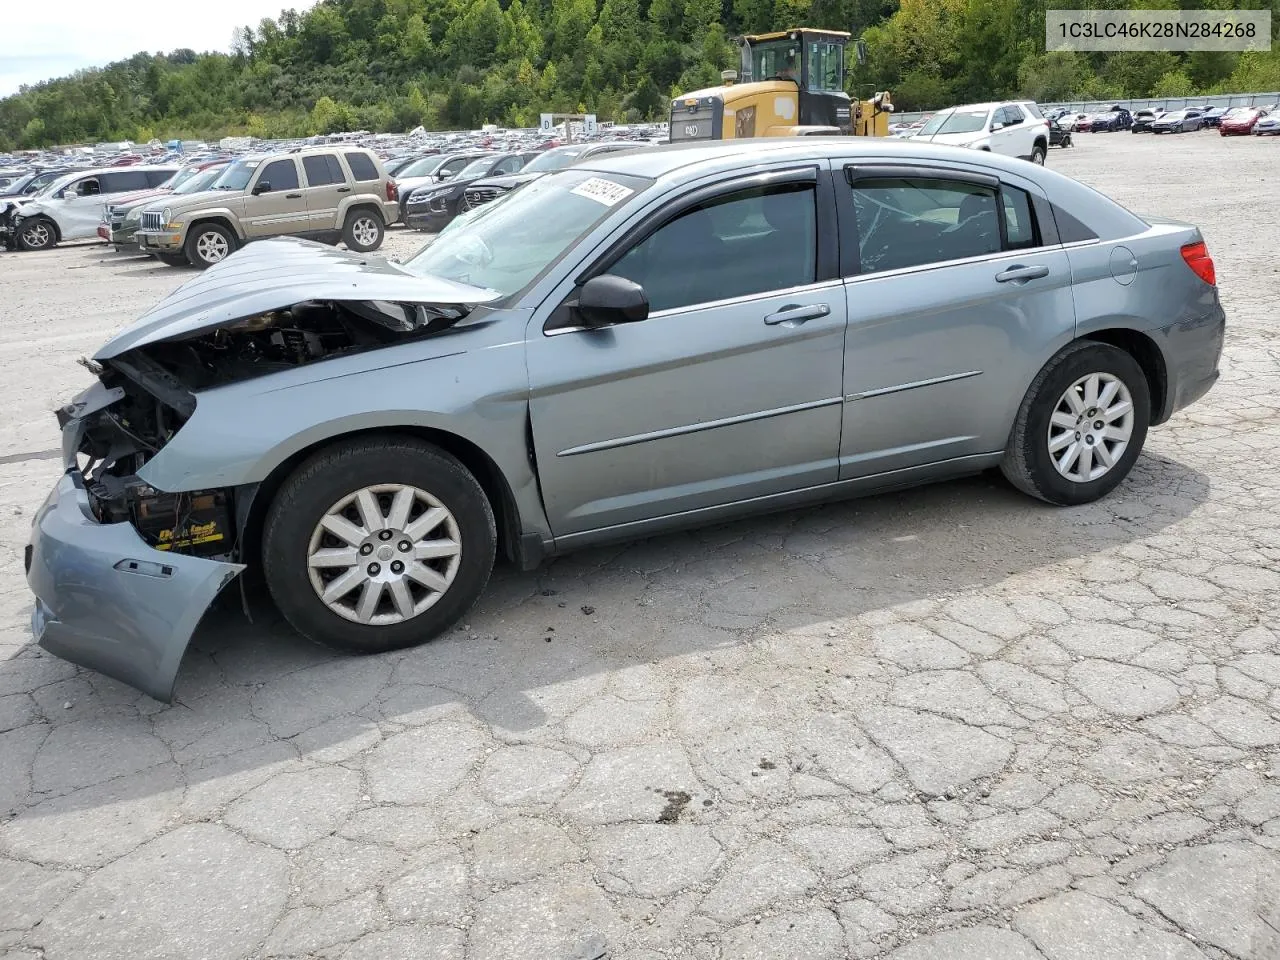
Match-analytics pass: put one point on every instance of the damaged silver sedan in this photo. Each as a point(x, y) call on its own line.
point(672, 337)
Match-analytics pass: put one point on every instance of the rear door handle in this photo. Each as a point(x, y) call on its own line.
point(1021, 274)
point(344, 189)
point(293, 196)
point(798, 313)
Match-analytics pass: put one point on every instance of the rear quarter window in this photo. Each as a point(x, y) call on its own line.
point(1070, 229)
point(362, 166)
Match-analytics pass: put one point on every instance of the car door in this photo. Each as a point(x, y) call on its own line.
point(728, 391)
point(274, 203)
point(84, 203)
point(326, 187)
point(958, 292)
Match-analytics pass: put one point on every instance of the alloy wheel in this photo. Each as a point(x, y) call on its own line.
point(37, 235)
point(384, 554)
point(365, 231)
point(212, 247)
point(1090, 428)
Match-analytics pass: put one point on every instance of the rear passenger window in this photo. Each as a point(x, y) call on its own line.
point(362, 166)
point(281, 174)
point(748, 242)
point(122, 181)
point(322, 169)
point(157, 177)
point(910, 222)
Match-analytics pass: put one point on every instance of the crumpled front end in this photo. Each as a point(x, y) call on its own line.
point(123, 573)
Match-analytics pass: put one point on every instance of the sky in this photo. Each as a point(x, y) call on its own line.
point(42, 42)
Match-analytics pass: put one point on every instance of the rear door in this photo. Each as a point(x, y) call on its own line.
point(274, 204)
point(325, 189)
point(730, 390)
point(958, 292)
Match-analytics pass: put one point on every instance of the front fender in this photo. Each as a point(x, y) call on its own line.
point(241, 433)
point(224, 214)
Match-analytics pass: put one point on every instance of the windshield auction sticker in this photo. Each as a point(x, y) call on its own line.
point(602, 191)
point(1177, 30)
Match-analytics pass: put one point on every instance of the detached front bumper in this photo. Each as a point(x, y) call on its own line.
point(108, 601)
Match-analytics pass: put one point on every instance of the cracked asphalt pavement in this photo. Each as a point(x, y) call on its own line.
point(945, 724)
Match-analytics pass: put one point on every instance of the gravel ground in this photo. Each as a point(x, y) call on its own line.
point(947, 724)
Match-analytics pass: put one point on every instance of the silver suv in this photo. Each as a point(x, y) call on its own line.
point(328, 194)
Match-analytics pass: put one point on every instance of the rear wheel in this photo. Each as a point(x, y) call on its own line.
point(39, 233)
point(378, 543)
point(1080, 426)
point(1037, 154)
point(209, 243)
point(363, 231)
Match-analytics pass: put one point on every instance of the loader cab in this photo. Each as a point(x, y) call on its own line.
point(814, 61)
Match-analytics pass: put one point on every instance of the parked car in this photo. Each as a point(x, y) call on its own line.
point(1115, 118)
point(1014, 129)
point(1059, 136)
point(32, 183)
point(486, 189)
point(332, 194)
point(433, 207)
point(1269, 125)
point(430, 171)
point(1143, 119)
point(1178, 121)
point(666, 339)
point(71, 208)
point(124, 217)
point(1212, 116)
point(1241, 121)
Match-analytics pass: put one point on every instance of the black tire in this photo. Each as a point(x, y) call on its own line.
point(174, 259)
point(1037, 154)
point(363, 230)
point(202, 240)
point(1027, 463)
point(38, 233)
point(1066, 142)
point(338, 471)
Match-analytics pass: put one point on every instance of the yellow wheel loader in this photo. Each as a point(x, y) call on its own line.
point(791, 84)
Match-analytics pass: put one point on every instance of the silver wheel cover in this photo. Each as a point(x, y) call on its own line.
point(212, 247)
point(365, 231)
point(1090, 427)
point(384, 554)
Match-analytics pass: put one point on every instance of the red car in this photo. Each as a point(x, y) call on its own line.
point(1240, 121)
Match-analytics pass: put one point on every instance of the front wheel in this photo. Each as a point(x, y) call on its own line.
point(1080, 426)
point(378, 543)
point(1037, 154)
point(209, 243)
point(362, 231)
point(37, 234)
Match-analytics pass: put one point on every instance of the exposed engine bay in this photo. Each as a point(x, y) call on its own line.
point(152, 394)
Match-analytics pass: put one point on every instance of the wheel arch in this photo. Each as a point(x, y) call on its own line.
point(222, 219)
point(251, 516)
point(1149, 357)
point(50, 219)
point(360, 203)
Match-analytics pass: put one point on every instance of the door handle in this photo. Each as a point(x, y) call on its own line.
point(293, 196)
point(344, 189)
point(798, 312)
point(1021, 274)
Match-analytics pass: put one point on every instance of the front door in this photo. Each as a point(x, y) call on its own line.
point(274, 204)
point(730, 390)
point(957, 296)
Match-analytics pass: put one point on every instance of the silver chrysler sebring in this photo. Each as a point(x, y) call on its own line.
point(664, 338)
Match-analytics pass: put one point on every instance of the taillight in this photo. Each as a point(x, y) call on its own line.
point(1197, 257)
point(392, 189)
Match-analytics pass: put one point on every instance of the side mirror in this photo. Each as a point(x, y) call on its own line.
point(262, 186)
point(607, 299)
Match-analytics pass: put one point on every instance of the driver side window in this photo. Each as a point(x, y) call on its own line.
point(911, 222)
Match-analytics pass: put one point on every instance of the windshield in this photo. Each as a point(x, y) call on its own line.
point(775, 58)
point(202, 180)
point(181, 177)
point(236, 175)
point(556, 159)
point(477, 168)
point(53, 186)
point(969, 121)
point(421, 168)
point(20, 184)
point(505, 244)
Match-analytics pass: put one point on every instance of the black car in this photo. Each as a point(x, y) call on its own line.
point(1113, 118)
point(1212, 116)
point(480, 192)
point(1059, 136)
point(433, 207)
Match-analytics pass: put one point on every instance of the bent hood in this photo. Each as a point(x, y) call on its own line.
point(275, 274)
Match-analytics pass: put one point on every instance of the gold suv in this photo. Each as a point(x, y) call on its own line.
point(323, 193)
